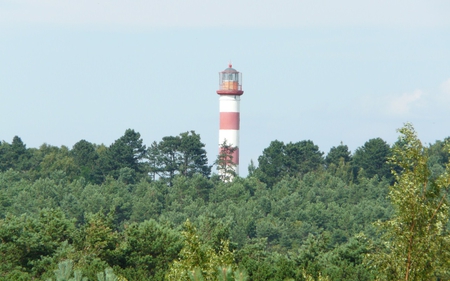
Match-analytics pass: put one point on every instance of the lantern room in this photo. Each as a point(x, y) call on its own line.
point(230, 82)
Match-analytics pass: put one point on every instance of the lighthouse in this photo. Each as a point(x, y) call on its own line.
point(230, 91)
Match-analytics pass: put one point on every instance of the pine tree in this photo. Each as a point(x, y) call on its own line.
point(225, 164)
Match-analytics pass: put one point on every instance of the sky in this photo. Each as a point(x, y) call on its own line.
point(328, 71)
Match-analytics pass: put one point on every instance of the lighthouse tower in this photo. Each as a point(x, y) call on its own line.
point(230, 91)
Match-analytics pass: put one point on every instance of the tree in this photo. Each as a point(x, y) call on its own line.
point(338, 162)
point(19, 153)
point(13, 155)
point(438, 156)
point(109, 275)
point(303, 157)
point(372, 158)
point(4, 155)
point(28, 243)
point(163, 158)
point(292, 159)
point(251, 168)
point(127, 152)
point(336, 154)
point(271, 163)
point(150, 248)
point(416, 239)
point(198, 256)
point(97, 245)
point(65, 270)
point(180, 155)
point(438, 150)
point(85, 158)
point(57, 159)
point(225, 163)
point(193, 157)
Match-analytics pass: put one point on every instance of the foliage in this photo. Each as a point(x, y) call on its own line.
point(239, 211)
point(416, 241)
point(224, 273)
point(180, 155)
point(319, 278)
point(108, 275)
point(29, 244)
point(64, 272)
point(226, 165)
point(126, 152)
point(438, 156)
point(295, 217)
point(86, 157)
point(293, 159)
point(372, 159)
point(338, 153)
point(151, 247)
point(13, 156)
point(197, 256)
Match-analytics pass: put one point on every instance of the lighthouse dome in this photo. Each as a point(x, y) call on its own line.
point(230, 69)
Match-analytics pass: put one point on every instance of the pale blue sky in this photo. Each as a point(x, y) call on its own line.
point(328, 71)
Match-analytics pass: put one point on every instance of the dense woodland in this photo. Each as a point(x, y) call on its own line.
point(129, 211)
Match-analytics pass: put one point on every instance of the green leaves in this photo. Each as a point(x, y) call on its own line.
point(196, 256)
point(415, 237)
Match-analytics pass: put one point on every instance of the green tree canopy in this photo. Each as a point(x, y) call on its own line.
point(126, 152)
point(85, 157)
point(337, 153)
point(178, 155)
point(14, 155)
point(372, 157)
point(292, 159)
point(416, 240)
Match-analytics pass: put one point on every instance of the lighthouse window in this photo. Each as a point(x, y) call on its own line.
point(230, 77)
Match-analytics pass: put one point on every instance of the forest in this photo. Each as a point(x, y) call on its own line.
point(131, 211)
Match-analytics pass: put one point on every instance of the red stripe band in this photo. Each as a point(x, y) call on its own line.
point(235, 155)
point(229, 120)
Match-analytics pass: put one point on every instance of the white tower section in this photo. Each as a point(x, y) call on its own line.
point(230, 92)
point(229, 125)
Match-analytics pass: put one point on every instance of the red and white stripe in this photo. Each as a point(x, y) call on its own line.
point(229, 124)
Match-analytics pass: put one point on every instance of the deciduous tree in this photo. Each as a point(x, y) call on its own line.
point(416, 239)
